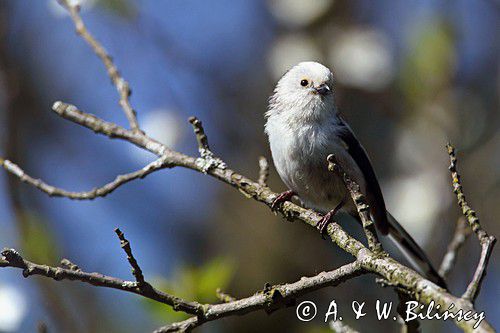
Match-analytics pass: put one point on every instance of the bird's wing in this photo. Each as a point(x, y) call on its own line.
point(374, 194)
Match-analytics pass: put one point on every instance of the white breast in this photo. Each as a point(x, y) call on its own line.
point(299, 154)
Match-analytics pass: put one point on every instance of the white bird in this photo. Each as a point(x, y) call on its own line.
point(304, 127)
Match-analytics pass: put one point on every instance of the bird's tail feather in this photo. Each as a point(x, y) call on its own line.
point(412, 251)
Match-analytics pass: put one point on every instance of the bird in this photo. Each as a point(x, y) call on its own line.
point(304, 126)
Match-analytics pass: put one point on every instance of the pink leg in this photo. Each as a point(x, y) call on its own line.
point(285, 196)
point(327, 219)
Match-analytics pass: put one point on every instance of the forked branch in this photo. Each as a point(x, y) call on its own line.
point(487, 241)
point(121, 85)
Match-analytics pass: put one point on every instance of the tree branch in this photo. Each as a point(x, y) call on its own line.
point(207, 160)
point(462, 231)
point(121, 85)
point(339, 327)
point(359, 200)
point(269, 299)
point(371, 235)
point(102, 191)
point(136, 270)
point(223, 297)
point(487, 242)
point(11, 258)
point(263, 171)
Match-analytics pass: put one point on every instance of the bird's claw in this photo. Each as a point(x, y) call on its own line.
point(282, 197)
point(322, 225)
point(327, 219)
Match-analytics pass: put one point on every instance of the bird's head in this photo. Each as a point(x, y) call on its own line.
point(306, 88)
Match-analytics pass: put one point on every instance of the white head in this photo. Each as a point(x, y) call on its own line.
point(306, 90)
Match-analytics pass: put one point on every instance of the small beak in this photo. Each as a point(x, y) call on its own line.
point(322, 90)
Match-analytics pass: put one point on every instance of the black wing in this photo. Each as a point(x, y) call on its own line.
point(374, 194)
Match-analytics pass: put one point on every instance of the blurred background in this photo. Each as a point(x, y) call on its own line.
point(411, 76)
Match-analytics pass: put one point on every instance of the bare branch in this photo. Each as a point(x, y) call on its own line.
point(223, 297)
point(136, 270)
point(487, 242)
point(340, 327)
point(66, 263)
point(462, 231)
point(360, 202)
point(199, 132)
point(207, 160)
point(263, 171)
point(182, 326)
point(11, 258)
point(111, 130)
point(121, 85)
point(102, 191)
point(269, 299)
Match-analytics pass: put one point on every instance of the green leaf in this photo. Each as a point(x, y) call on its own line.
point(217, 273)
point(192, 284)
point(37, 243)
point(160, 311)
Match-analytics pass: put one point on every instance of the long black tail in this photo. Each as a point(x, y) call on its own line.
point(413, 252)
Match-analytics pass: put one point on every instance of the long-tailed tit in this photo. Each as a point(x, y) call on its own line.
point(304, 127)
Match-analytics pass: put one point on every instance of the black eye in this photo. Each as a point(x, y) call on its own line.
point(304, 83)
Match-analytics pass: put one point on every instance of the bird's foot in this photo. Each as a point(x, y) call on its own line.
point(284, 196)
point(324, 222)
point(327, 219)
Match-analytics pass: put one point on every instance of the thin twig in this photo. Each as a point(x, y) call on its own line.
point(263, 171)
point(102, 191)
point(121, 85)
point(360, 202)
point(487, 242)
point(462, 232)
point(136, 270)
point(66, 263)
point(270, 299)
point(199, 132)
point(224, 297)
point(11, 258)
point(207, 160)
